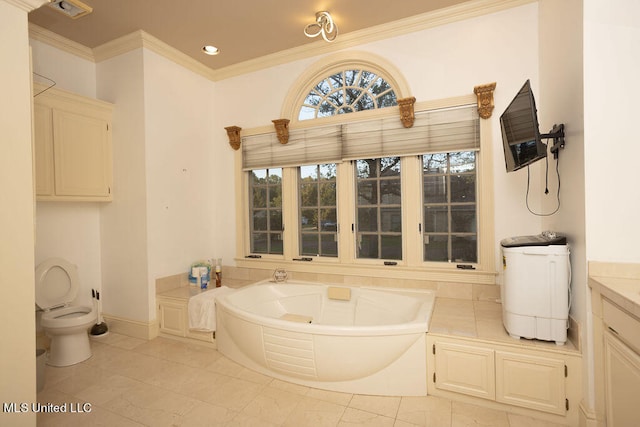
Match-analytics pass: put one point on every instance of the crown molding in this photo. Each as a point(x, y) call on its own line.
point(26, 5)
point(49, 37)
point(463, 11)
point(138, 39)
point(141, 39)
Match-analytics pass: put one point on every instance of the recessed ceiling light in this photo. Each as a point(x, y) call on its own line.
point(72, 8)
point(210, 50)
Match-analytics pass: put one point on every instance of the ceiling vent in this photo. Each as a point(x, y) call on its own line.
point(72, 8)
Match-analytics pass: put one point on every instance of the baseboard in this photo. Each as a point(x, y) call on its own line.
point(131, 328)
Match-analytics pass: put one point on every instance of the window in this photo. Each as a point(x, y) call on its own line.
point(449, 205)
point(379, 208)
point(318, 210)
point(265, 189)
point(347, 91)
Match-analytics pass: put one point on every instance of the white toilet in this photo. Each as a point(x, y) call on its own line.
point(66, 325)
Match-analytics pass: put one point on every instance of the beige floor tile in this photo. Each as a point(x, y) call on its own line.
point(381, 405)
point(243, 420)
point(207, 415)
point(234, 394)
point(273, 405)
point(355, 418)
point(107, 389)
point(428, 411)
point(466, 415)
point(524, 421)
point(120, 341)
point(330, 396)
point(316, 413)
point(151, 405)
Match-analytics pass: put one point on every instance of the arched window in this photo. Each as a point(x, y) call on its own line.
point(347, 91)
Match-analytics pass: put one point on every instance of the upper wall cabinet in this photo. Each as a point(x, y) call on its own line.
point(73, 160)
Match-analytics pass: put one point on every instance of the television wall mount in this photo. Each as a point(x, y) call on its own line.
point(557, 134)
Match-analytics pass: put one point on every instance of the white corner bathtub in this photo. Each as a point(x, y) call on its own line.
point(372, 341)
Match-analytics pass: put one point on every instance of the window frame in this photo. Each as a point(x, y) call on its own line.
point(412, 265)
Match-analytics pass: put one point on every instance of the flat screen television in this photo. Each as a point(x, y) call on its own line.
point(520, 134)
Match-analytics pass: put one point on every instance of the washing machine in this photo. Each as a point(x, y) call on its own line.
point(536, 288)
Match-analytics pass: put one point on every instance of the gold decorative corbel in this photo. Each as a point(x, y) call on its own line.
point(485, 99)
point(233, 132)
point(282, 130)
point(407, 115)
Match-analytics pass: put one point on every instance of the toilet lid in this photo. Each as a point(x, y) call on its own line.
point(56, 283)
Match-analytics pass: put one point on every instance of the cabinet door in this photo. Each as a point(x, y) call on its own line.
point(82, 155)
point(531, 381)
point(622, 382)
point(465, 369)
point(43, 148)
point(172, 318)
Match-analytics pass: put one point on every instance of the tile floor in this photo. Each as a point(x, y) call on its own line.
point(164, 382)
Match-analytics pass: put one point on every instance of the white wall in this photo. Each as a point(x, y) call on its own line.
point(123, 227)
point(69, 230)
point(440, 62)
point(182, 171)
point(611, 93)
point(17, 315)
point(561, 101)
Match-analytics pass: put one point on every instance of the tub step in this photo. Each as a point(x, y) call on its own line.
point(342, 294)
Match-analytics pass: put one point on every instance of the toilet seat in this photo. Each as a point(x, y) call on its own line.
point(56, 283)
point(67, 317)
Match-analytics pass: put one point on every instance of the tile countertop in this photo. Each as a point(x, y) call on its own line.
point(455, 317)
point(625, 292)
point(482, 320)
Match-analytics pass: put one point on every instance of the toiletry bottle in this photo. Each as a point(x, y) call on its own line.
point(204, 271)
point(218, 276)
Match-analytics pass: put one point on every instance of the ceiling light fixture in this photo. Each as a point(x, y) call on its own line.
point(210, 50)
point(72, 8)
point(324, 26)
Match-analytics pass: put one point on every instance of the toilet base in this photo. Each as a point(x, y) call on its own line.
point(69, 349)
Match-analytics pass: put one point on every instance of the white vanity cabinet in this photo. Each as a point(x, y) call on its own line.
point(513, 375)
point(173, 317)
point(72, 144)
point(616, 325)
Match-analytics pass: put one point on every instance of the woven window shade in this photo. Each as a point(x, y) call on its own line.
point(305, 146)
point(434, 131)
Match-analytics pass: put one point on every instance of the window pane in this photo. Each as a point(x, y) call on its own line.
point(275, 243)
point(436, 248)
point(275, 220)
point(329, 244)
point(367, 219)
point(391, 219)
point(464, 161)
point(368, 247)
point(434, 163)
point(390, 192)
point(463, 218)
point(464, 248)
point(463, 188)
point(259, 243)
point(390, 166)
point(366, 169)
point(435, 189)
point(391, 247)
point(260, 220)
point(309, 244)
point(328, 220)
point(260, 197)
point(275, 196)
point(368, 192)
point(436, 219)
point(309, 194)
point(309, 219)
point(259, 176)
